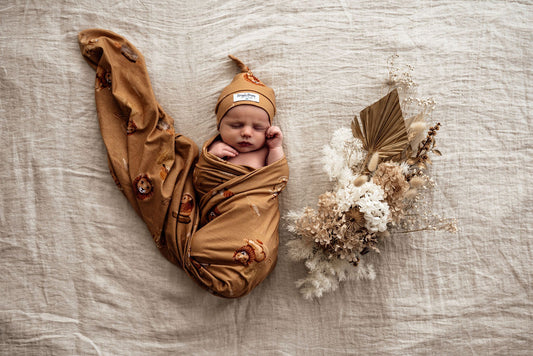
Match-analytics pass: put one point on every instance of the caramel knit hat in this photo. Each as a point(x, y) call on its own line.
point(245, 89)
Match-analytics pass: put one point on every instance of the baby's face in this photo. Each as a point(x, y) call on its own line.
point(244, 128)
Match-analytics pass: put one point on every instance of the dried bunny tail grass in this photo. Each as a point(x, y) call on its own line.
point(417, 133)
point(373, 163)
point(411, 194)
point(359, 181)
point(417, 182)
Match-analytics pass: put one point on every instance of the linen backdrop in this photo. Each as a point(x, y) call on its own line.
point(79, 272)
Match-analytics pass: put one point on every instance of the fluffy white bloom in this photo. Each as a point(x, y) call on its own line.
point(332, 161)
point(346, 177)
point(375, 209)
point(377, 214)
point(343, 152)
point(370, 199)
point(347, 197)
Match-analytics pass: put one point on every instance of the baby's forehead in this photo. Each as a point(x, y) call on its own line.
point(247, 113)
point(247, 110)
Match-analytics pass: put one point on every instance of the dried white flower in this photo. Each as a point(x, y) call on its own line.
point(343, 154)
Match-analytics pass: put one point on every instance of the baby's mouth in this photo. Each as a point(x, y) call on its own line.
point(244, 144)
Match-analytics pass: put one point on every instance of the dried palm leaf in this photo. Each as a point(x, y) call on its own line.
point(382, 128)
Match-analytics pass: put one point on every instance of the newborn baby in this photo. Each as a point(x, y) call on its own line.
point(244, 111)
point(238, 178)
point(246, 138)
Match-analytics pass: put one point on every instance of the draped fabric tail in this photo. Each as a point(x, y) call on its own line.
point(150, 164)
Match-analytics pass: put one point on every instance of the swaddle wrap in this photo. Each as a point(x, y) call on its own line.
point(219, 222)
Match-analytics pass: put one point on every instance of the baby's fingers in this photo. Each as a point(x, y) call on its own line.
point(230, 152)
point(272, 131)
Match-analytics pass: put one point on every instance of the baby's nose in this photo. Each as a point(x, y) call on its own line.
point(246, 131)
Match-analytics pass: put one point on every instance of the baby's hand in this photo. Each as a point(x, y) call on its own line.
point(221, 150)
point(274, 137)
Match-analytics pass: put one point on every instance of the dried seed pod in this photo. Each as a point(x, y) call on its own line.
point(357, 216)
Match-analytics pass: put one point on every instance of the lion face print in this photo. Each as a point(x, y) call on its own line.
point(253, 79)
point(103, 79)
point(252, 251)
point(131, 128)
point(143, 187)
point(186, 208)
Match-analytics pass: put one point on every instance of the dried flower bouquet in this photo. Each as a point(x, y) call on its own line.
point(378, 169)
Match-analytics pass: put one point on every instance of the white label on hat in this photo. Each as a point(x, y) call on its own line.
point(246, 97)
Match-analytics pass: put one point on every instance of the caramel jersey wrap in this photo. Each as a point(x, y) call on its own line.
point(237, 244)
point(219, 222)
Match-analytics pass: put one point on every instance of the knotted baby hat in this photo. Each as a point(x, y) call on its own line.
point(245, 89)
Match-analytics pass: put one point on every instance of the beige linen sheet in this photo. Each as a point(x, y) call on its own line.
point(79, 271)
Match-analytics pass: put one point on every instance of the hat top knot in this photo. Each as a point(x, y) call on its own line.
point(242, 66)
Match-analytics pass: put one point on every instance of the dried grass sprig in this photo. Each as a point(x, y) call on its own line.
point(422, 160)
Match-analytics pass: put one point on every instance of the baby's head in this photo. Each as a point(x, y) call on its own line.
point(245, 89)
